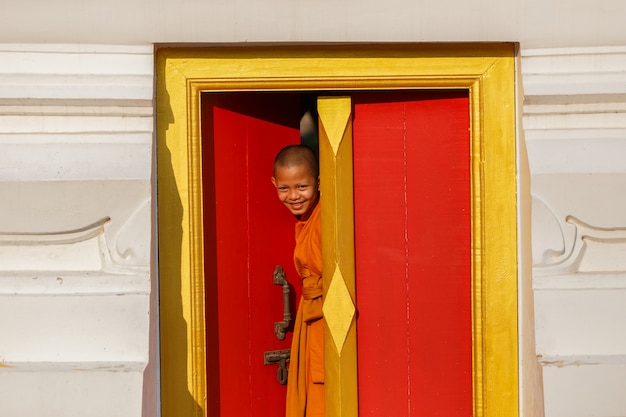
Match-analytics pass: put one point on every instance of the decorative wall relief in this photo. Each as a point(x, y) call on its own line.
point(592, 249)
point(578, 223)
point(81, 249)
point(51, 224)
point(548, 235)
point(131, 246)
point(105, 245)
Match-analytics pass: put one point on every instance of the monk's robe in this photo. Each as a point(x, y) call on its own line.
point(305, 387)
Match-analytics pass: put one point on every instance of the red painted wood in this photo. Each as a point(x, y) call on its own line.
point(247, 233)
point(412, 231)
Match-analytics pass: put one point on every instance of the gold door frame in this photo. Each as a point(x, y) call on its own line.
point(487, 71)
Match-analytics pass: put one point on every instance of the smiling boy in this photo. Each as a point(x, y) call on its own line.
point(296, 178)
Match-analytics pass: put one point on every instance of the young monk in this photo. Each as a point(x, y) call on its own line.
point(296, 178)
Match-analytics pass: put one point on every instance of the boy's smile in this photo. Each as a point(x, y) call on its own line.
point(297, 188)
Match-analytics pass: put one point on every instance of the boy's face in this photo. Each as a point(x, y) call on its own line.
point(297, 188)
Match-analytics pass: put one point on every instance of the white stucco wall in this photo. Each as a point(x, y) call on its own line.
point(533, 23)
point(77, 287)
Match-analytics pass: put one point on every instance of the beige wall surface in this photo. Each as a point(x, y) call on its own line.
point(533, 23)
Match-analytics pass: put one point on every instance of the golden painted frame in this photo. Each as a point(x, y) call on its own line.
point(485, 70)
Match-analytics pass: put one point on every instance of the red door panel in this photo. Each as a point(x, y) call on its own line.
point(247, 233)
point(412, 227)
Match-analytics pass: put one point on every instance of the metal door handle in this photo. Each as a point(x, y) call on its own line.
point(280, 327)
point(281, 357)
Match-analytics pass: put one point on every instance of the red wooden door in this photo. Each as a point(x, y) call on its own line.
point(247, 233)
point(412, 225)
point(412, 245)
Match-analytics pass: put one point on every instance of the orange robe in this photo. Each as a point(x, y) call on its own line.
point(305, 387)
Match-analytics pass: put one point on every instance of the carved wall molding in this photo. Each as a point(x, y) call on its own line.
point(547, 224)
point(574, 123)
point(76, 131)
point(574, 112)
point(82, 249)
point(593, 249)
point(130, 252)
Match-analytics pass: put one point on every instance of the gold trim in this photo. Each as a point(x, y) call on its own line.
point(498, 202)
point(477, 176)
point(485, 70)
point(335, 143)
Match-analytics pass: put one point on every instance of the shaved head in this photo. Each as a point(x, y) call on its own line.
point(294, 155)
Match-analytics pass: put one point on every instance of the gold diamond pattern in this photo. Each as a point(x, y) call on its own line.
point(334, 113)
point(338, 309)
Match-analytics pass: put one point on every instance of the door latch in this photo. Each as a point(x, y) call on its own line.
point(280, 327)
point(281, 357)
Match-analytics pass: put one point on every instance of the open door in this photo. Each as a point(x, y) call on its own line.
point(247, 234)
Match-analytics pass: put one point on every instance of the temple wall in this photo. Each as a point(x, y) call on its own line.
point(78, 287)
